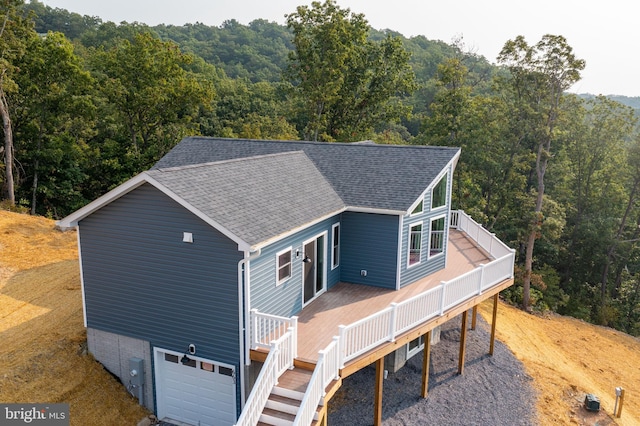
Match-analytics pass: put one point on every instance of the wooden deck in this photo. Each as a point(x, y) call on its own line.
point(346, 303)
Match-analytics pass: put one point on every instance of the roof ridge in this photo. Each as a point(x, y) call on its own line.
point(361, 144)
point(232, 160)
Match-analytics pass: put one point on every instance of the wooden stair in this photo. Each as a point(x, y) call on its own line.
point(285, 399)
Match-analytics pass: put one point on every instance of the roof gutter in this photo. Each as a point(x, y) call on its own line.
point(243, 313)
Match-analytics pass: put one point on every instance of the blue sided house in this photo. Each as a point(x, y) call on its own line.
point(195, 271)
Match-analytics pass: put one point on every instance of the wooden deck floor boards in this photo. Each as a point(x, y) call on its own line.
point(346, 303)
point(296, 379)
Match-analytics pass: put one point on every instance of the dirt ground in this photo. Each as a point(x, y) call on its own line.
point(43, 354)
point(568, 359)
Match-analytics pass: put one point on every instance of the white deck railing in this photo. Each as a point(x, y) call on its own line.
point(363, 335)
point(279, 359)
point(384, 326)
point(266, 328)
point(485, 239)
point(326, 370)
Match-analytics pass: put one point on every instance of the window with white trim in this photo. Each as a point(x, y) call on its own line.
point(418, 208)
point(335, 246)
point(283, 266)
point(415, 244)
point(439, 193)
point(436, 236)
point(414, 346)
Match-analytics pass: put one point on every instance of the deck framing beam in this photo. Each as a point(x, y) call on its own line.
point(388, 347)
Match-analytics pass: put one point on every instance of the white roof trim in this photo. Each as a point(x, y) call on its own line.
point(375, 211)
point(242, 245)
point(451, 164)
point(295, 230)
point(73, 219)
point(325, 217)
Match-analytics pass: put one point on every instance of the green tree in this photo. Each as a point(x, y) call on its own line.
point(450, 102)
point(540, 74)
point(15, 31)
point(347, 82)
point(71, 24)
point(490, 174)
point(154, 100)
point(54, 119)
point(627, 233)
point(589, 176)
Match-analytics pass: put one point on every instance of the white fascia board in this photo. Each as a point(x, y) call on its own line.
point(375, 211)
point(73, 219)
point(450, 165)
point(455, 160)
point(277, 238)
point(320, 219)
point(242, 245)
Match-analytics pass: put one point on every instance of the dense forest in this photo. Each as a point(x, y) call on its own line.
point(87, 104)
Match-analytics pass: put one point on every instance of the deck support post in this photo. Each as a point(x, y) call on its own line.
point(426, 355)
point(377, 409)
point(474, 317)
point(323, 422)
point(493, 323)
point(463, 341)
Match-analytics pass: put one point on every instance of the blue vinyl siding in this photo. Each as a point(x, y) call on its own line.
point(286, 298)
point(427, 265)
point(370, 243)
point(142, 281)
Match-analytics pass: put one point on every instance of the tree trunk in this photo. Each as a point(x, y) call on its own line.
point(34, 188)
point(8, 148)
point(542, 159)
point(36, 163)
point(612, 249)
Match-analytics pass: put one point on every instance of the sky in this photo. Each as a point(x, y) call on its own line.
point(605, 34)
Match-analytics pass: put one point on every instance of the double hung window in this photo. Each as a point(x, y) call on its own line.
point(283, 266)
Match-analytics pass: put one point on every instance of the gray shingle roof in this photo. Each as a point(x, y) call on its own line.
point(367, 176)
point(256, 198)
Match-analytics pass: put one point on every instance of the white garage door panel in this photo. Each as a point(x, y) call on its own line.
point(193, 394)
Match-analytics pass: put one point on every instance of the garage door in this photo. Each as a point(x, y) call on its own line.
point(195, 391)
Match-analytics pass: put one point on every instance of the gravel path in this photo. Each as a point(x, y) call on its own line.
point(494, 390)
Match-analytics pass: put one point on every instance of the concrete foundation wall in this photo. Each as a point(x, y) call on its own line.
point(113, 351)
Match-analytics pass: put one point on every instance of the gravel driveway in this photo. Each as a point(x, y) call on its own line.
point(494, 390)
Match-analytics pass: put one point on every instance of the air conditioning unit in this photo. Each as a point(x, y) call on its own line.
point(591, 402)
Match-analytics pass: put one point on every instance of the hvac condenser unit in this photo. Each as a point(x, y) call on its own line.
point(591, 402)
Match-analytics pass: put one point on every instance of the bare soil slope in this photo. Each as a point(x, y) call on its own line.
point(43, 354)
point(568, 359)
